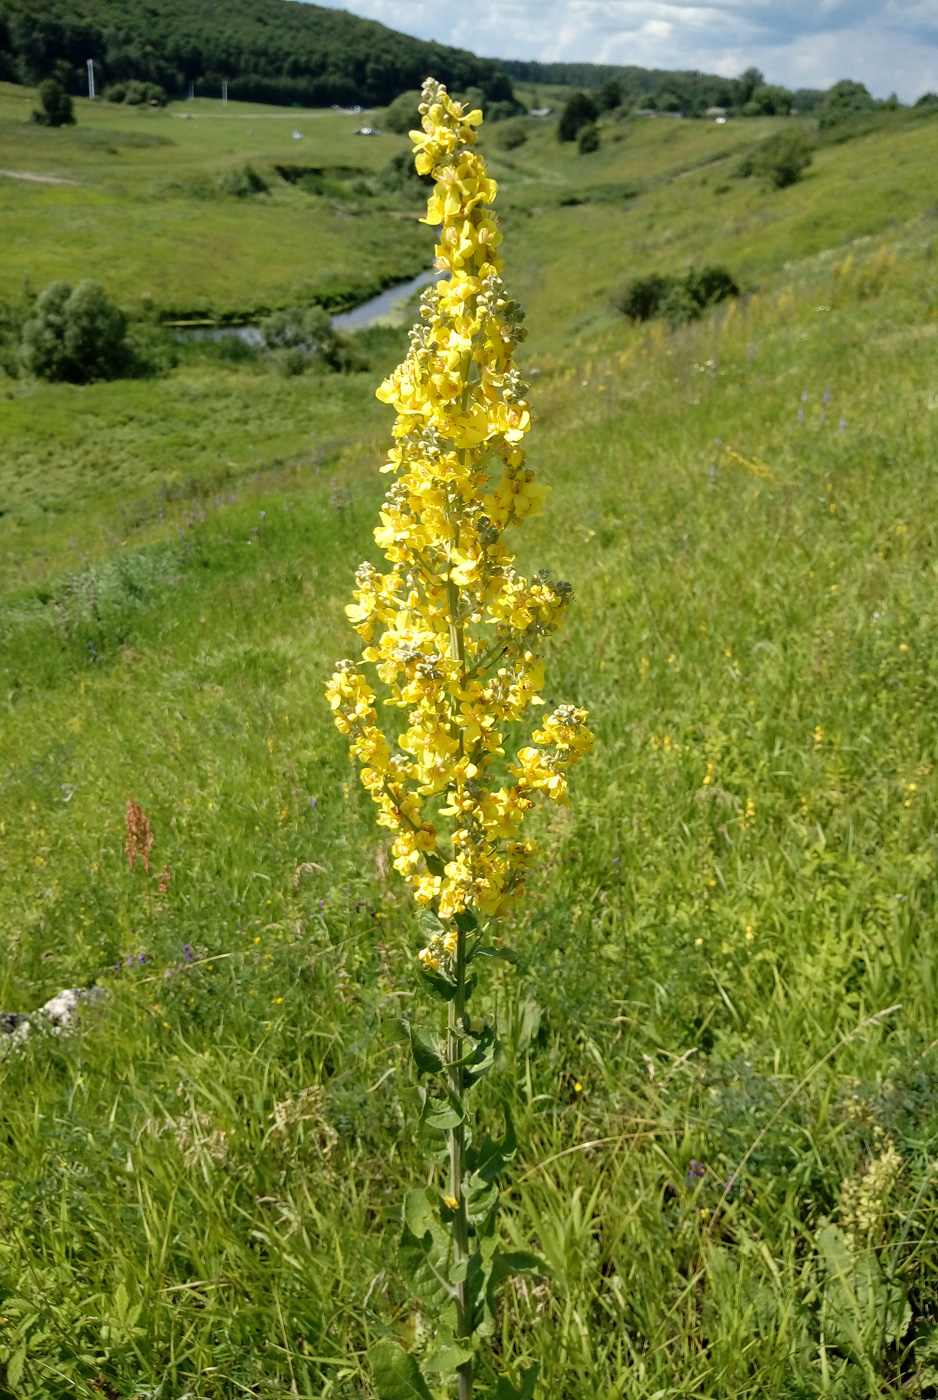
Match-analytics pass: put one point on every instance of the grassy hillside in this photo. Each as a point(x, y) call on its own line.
point(726, 979)
point(139, 203)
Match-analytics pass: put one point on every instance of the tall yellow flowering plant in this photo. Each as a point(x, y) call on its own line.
point(455, 636)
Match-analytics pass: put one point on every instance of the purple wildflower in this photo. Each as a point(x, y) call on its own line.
point(187, 950)
point(696, 1170)
point(140, 958)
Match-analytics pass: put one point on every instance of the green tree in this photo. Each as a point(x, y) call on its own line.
point(57, 106)
point(579, 111)
point(403, 115)
point(845, 100)
point(747, 83)
point(609, 96)
point(769, 101)
point(76, 335)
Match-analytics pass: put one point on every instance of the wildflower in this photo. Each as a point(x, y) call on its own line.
point(187, 950)
point(452, 631)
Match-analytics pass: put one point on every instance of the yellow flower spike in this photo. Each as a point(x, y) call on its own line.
point(454, 634)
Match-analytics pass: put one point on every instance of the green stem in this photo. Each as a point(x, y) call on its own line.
point(457, 1148)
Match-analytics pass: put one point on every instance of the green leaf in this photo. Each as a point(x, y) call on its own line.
point(447, 1358)
point(429, 924)
point(435, 863)
point(439, 985)
point(506, 1390)
point(491, 1158)
point(397, 1375)
point(503, 954)
point(465, 921)
point(442, 1114)
point(426, 1048)
point(15, 1368)
point(423, 1253)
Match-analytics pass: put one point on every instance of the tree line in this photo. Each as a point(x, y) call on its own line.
point(266, 50)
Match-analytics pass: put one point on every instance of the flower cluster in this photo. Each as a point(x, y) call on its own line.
point(453, 632)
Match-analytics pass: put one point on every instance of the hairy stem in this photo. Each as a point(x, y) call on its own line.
point(457, 1148)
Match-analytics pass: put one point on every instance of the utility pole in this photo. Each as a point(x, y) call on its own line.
point(224, 94)
point(91, 78)
point(191, 89)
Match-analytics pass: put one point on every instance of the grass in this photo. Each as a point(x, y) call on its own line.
point(149, 178)
point(729, 947)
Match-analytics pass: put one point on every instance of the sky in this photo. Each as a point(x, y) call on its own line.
point(890, 45)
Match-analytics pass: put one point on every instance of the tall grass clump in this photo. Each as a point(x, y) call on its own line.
point(455, 636)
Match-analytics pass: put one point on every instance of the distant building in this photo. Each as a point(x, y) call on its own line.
point(715, 112)
point(540, 111)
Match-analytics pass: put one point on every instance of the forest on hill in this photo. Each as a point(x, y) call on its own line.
point(267, 51)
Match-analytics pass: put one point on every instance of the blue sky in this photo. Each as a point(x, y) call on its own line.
point(891, 45)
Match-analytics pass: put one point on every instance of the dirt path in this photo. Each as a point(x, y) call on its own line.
point(37, 179)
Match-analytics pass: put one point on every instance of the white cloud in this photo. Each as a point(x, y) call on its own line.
point(891, 45)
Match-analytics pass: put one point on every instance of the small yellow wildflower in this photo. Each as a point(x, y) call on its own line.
point(578, 1087)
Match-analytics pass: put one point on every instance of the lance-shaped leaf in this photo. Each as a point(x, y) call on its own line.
point(397, 1375)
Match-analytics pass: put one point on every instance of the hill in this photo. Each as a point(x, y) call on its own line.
point(266, 50)
point(720, 1036)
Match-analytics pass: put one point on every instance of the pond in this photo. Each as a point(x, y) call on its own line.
point(381, 305)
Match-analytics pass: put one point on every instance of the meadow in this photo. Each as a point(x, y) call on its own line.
point(720, 1038)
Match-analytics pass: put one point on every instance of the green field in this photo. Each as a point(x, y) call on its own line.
point(727, 961)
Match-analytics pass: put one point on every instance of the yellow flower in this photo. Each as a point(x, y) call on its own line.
point(453, 632)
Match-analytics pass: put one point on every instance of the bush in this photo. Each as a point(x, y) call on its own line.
point(510, 135)
point(136, 94)
point(403, 115)
point(57, 106)
point(676, 299)
point(243, 182)
point(785, 157)
point(300, 335)
point(578, 112)
point(76, 335)
point(400, 177)
point(588, 140)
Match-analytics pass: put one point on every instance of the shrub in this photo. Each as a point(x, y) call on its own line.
point(642, 297)
point(676, 299)
point(400, 177)
point(76, 335)
point(403, 115)
point(578, 112)
point(57, 106)
point(927, 99)
point(243, 182)
point(136, 94)
point(784, 157)
point(300, 335)
point(510, 135)
point(588, 140)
